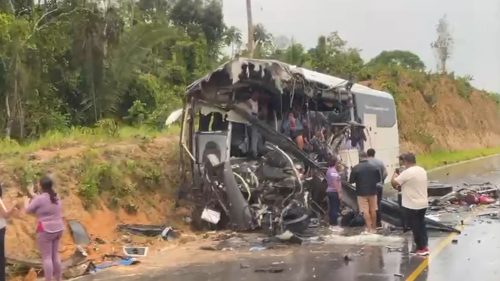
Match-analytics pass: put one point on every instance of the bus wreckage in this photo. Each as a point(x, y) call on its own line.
point(255, 137)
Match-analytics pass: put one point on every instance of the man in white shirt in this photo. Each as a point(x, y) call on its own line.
point(412, 182)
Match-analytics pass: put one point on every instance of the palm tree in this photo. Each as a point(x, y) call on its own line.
point(263, 41)
point(260, 35)
point(233, 39)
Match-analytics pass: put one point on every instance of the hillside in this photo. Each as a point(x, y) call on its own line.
point(102, 184)
point(441, 113)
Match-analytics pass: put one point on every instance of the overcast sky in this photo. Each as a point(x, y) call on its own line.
point(377, 25)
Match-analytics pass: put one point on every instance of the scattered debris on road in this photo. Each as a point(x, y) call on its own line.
point(270, 269)
point(72, 266)
point(257, 249)
point(166, 232)
point(112, 261)
point(394, 249)
point(99, 241)
point(210, 248)
point(135, 251)
point(80, 235)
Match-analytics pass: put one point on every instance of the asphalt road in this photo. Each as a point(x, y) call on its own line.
point(472, 255)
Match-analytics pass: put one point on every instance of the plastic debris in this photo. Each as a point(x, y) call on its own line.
point(210, 216)
point(393, 249)
point(135, 251)
point(269, 270)
point(257, 249)
point(111, 261)
point(166, 232)
point(99, 241)
point(80, 235)
point(209, 248)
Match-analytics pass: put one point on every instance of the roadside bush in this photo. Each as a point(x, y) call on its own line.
point(430, 98)
point(137, 113)
point(97, 177)
point(390, 87)
point(464, 88)
point(108, 126)
point(418, 80)
point(495, 97)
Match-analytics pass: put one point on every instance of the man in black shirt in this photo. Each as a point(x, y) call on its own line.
point(380, 191)
point(366, 176)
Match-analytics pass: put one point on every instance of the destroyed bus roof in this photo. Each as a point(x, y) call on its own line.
point(336, 82)
point(276, 76)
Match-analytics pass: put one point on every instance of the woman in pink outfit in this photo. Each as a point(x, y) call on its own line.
point(46, 206)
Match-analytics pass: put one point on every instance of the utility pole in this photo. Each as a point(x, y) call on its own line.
point(250, 28)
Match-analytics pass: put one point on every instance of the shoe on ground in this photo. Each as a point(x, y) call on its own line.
point(423, 253)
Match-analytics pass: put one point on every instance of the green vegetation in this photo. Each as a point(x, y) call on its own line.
point(77, 73)
point(71, 63)
point(58, 139)
point(107, 173)
point(117, 179)
point(441, 158)
point(404, 59)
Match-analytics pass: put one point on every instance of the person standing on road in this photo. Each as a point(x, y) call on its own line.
point(4, 215)
point(334, 192)
point(380, 190)
point(412, 182)
point(46, 206)
point(366, 176)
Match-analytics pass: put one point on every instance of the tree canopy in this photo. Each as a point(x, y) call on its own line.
point(71, 63)
point(404, 59)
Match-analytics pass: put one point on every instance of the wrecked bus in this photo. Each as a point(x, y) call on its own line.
point(254, 139)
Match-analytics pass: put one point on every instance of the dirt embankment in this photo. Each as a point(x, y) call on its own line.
point(440, 113)
point(101, 186)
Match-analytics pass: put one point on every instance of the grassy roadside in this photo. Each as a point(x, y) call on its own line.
point(106, 133)
point(82, 136)
point(441, 158)
point(113, 164)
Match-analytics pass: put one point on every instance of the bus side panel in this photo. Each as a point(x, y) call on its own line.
point(385, 141)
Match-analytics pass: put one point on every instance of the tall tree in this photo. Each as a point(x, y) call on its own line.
point(233, 39)
point(400, 58)
point(263, 42)
point(201, 19)
point(443, 45)
point(332, 56)
point(6, 6)
point(293, 54)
